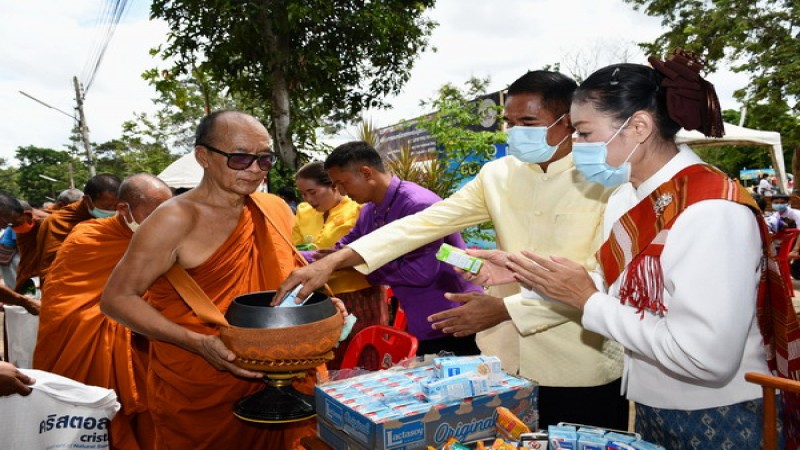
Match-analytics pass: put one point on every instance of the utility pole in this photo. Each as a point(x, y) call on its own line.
point(83, 127)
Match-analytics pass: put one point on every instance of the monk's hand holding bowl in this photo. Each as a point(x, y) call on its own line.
point(221, 357)
point(558, 278)
point(340, 306)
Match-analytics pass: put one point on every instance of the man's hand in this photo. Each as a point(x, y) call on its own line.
point(556, 277)
point(10, 297)
point(479, 312)
point(493, 271)
point(316, 274)
point(312, 277)
point(321, 253)
point(214, 351)
point(32, 305)
point(12, 381)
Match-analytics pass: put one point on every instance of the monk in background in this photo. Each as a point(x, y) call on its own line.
point(78, 341)
point(25, 221)
point(99, 201)
point(229, 241)
point(66, 197)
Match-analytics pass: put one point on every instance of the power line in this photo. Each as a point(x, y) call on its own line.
point(45, 104)
point(111, 15)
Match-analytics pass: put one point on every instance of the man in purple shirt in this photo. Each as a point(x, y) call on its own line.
point(418, 279)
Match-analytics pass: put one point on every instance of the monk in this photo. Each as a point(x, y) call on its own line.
point(66, 197)
point(25, 221)
point(75, 339)
point(230, 241)
point(99, 200)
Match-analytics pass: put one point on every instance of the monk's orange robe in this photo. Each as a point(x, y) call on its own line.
point(28, 255)
point(78, 341)
point(191, 401)
point(54, 230)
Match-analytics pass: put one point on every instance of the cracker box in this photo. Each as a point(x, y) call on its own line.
point(416, 425)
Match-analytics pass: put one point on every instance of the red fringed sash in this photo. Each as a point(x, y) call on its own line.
point(637, 240)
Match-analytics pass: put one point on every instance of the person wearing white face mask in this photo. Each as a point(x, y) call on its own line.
point(685, 282)
point(536, 199)
point(75, 339)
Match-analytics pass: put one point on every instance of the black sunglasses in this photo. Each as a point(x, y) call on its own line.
point(241, 161)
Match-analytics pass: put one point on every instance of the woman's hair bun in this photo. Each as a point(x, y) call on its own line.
point(691, 100)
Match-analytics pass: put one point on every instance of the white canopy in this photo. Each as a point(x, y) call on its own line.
point(736, 135)
point(185, 172)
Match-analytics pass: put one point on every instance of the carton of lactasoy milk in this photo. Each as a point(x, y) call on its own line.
point(450, 366)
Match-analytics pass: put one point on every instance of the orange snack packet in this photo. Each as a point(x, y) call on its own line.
point(508, 425)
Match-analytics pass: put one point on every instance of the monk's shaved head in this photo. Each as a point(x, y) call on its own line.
point(143, 193)
point(216, 124)
point(68, 196)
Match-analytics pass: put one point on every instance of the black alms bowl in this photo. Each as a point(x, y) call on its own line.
point(253, 311)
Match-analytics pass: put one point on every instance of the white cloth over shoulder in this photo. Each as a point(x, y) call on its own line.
point(60, 413)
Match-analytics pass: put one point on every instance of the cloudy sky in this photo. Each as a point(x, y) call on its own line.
point(47, 42)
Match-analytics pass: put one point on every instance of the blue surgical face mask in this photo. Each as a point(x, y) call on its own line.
point(529, 144)
point(780, 207)
point(101, 213)
point(97, 212)
point(590, 160)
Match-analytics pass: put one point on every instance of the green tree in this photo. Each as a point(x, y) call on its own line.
point(454, 126)
point(758, 38)
point(306, 62)
point(129, 155)
point(8, 178)
point(183, 100)
point(462, 148)
point(37, 163)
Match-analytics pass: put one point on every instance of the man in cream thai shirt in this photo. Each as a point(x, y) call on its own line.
point(545, 205)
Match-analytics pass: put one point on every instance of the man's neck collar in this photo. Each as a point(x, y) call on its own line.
point(385, 186)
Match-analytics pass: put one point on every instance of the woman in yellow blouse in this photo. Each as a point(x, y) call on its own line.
point(324, 217)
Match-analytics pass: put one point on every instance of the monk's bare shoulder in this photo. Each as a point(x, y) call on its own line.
point(189, 227)
point(177, 214)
